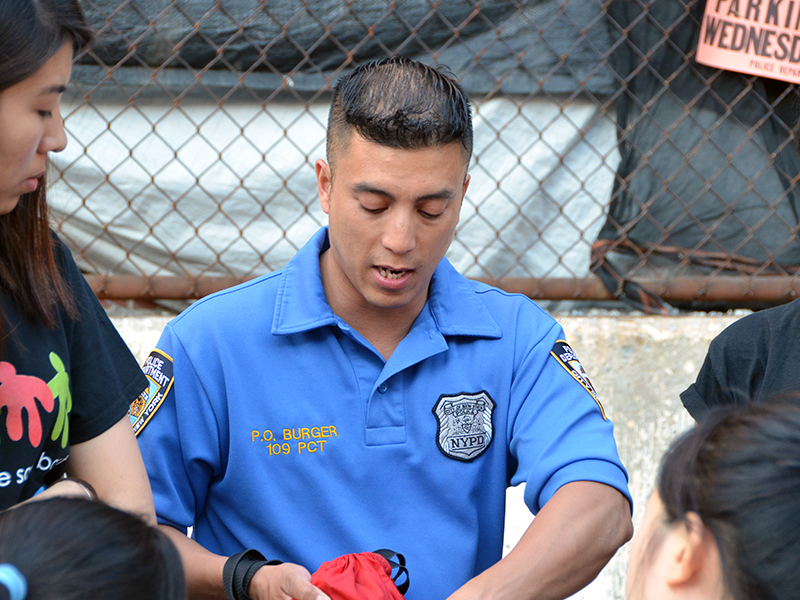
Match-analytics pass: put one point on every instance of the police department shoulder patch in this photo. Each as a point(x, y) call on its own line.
point(464, 423)
point(158, 368)
point(567, 358)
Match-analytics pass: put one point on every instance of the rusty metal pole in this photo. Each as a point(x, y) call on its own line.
point(719, 288)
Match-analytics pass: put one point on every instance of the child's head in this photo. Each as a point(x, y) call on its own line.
point(74, 549)
point(724, 521)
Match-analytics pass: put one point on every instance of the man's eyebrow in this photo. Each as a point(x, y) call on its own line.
point(368, 189)
point(53, 89)
point(444, 194)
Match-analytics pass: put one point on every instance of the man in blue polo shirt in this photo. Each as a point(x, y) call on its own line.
point(368, 396)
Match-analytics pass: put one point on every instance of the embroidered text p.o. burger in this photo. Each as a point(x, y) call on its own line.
point(464, 423)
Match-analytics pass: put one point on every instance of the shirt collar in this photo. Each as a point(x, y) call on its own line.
point(301, 304)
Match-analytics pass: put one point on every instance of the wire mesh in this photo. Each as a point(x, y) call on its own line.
point(607, 162)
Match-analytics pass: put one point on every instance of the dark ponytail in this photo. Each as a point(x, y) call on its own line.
point(739, 470)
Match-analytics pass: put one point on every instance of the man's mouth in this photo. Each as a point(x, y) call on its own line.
point(390, 274)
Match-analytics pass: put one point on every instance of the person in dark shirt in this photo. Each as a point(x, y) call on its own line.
point(66, 377)
point(754, 359)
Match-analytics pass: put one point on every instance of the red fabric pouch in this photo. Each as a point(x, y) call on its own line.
point(364, 576)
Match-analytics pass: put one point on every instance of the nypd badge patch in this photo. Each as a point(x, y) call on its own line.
point(158, 368)
point(464, 425)
point(567, 358)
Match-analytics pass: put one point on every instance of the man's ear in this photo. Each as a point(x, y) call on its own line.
point(694, 554)
point(463, 195)
point(324, 182)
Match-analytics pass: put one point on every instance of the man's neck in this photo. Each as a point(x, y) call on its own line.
point(384, 339)
point(384, 328)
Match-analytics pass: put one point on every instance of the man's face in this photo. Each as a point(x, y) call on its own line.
point(392, 215)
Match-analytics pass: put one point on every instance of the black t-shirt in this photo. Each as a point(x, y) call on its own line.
point(755, 359)
point(58, 386)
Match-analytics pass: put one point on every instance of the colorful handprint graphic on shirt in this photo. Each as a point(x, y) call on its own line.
point(18, 393)
point(59, 386)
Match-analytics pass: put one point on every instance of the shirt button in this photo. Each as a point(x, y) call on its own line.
point(382, 388)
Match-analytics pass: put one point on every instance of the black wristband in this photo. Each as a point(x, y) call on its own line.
point(239, 569)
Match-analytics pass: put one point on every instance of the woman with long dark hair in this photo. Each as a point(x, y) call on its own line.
point(74, 549)
point(724, 521)
point(66, 377)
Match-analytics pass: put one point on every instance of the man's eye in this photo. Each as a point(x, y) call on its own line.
point(428, 215)
point(373, 211)
point(46, 114)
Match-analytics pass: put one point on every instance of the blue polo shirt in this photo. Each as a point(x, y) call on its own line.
point(272, 424)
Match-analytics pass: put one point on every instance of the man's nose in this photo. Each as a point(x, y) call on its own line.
point(399, 235)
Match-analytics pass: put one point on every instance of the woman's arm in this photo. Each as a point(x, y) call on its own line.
point(112, 464)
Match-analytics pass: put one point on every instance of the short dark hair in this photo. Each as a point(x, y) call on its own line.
point(400, 103)
point(739, 470)
point(75, 548)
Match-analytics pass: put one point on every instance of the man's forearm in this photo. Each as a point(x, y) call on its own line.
point(203, 569)
point(204, 575)
point(568, 543)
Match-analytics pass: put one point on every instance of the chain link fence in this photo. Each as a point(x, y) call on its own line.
point(607, 163)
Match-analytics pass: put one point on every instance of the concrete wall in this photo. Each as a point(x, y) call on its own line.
point(638, 364)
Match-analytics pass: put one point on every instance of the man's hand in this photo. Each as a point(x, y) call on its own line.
point(283, 582)
point(204, 575)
